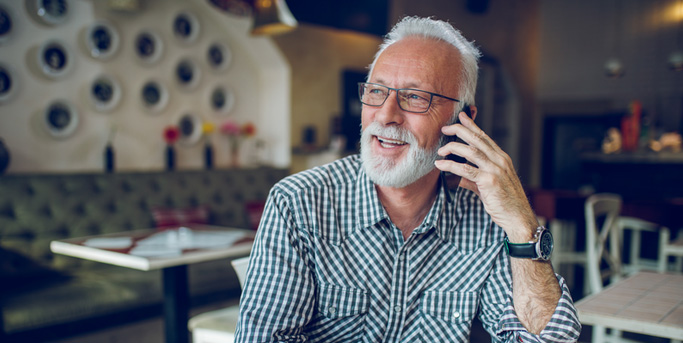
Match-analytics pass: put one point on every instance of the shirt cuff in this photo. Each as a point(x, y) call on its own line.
point(564, 325)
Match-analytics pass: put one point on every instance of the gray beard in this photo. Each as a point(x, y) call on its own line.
point(388, 172)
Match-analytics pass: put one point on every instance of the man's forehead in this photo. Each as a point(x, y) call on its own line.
point(416, 62)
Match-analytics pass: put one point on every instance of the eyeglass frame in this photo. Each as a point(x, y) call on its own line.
point(431, 96)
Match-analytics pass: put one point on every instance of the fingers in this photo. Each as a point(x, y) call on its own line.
point(469, 174)
point(481, 150)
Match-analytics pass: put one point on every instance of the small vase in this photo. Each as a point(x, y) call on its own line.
point(208, 156)
point(170, 157)
point(109, 159)
point(235, 156)
point(4, 157)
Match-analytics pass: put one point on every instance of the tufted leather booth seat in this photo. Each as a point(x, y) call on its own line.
point(38, 208)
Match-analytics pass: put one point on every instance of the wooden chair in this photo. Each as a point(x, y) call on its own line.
point(219, 326)
point(602, 217)
point(604, 244)
point(667, 248)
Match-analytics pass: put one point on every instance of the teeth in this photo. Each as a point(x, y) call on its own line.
point(388, 142)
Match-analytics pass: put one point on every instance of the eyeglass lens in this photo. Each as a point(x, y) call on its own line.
point(410, 100)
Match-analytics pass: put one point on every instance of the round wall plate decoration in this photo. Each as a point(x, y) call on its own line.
point(187, 74)
point(190, 127)
point(6, 24)
point(60, 119)
point(148, 46)
point(222, 99)
point(219, 56)
point(52, 12)
point(102, 40)
point(186, 27)
point(105, 93)
point(7, 83)
point(154, 96)
point(54, 59)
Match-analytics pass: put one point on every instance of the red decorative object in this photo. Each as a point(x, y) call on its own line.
point(630, 127)
point(171, 134)
point(249, 129)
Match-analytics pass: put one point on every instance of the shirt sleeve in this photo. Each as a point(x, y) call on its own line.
point(278, 297)
point(499, 318)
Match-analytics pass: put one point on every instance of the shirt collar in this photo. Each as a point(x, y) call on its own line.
point(369, 209)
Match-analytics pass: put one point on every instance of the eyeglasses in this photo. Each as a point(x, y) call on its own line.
point(408, 99)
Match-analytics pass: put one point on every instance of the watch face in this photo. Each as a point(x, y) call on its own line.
point(545, 245)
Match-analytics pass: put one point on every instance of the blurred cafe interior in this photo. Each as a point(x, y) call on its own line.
point(126, 115)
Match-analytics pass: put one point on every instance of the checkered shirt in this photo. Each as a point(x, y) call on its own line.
point(328, 265)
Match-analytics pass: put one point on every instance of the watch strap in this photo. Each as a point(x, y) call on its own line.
point(520, 250)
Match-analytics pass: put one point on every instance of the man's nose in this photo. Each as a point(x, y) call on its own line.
point(390, 112)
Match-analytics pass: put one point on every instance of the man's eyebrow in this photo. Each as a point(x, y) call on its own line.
point(412, 85)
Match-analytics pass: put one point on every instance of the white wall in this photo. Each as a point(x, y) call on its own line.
point(259, 76)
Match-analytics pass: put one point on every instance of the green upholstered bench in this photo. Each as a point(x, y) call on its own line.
point(43, 295)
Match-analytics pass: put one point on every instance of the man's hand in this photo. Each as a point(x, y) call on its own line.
point(494, 179)
point(535, 290)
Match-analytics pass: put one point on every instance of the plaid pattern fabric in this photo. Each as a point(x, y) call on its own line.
point(329, 266)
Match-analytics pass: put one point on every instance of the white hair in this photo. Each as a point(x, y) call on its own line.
point(442, 31)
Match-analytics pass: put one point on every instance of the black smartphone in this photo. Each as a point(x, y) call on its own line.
point(453, 157)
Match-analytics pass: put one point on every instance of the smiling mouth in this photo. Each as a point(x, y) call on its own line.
point(390, 143)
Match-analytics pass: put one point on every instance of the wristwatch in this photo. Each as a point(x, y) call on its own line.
point(538, 249)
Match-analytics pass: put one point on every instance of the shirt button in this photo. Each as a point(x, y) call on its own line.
point(397, 309)
point(456, 315)
point(332, 310)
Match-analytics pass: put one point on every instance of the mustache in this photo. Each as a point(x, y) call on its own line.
point(390, 132)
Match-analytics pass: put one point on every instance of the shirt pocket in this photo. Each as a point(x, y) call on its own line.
point(341, 314)
point(447, 316)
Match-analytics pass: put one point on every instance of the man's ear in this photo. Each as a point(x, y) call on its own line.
point(473, 111)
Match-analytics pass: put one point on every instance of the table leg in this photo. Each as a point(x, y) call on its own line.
point(176, 304)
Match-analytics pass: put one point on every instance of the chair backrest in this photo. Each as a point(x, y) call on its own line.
point(637, 227)
point(240, 266)
point(602, 217)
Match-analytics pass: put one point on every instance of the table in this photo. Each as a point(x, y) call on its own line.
point(170, 250)
point(646, 302)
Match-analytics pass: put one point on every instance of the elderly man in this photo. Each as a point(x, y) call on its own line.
point(379, 248)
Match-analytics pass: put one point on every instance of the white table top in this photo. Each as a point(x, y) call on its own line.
point(646, 302)
point(156, 249)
